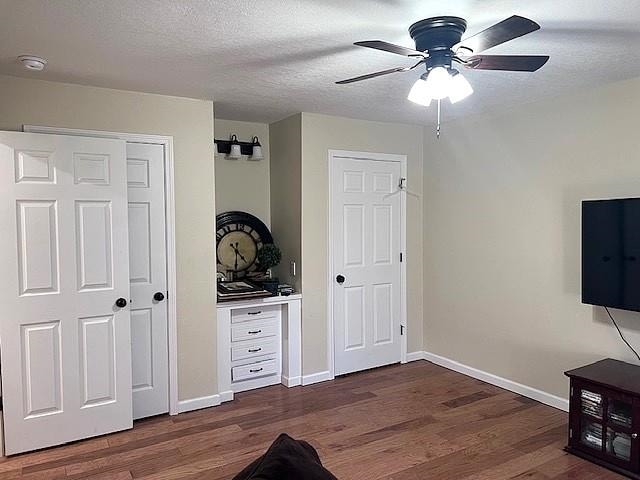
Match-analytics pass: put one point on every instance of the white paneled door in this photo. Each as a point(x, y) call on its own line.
point(366, 236)
point(148, 278)
point(64, 326)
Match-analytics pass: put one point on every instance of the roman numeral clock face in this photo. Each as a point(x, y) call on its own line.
point(239, 237)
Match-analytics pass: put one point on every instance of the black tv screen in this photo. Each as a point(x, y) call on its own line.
point(611, 253)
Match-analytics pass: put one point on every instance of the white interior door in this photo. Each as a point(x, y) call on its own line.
point(65, 344)
point(148, 277)
point(366, 236)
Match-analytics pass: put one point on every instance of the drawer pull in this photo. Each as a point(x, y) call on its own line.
point(254, 332)
point(255, 370)
point(254, 350)
point(255, 313)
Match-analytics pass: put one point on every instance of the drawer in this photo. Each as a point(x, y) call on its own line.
point(254, 370)
point(262, 312)
point(254, 348)
point(254, 329)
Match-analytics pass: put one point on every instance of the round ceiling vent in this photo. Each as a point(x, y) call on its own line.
point(31, 62)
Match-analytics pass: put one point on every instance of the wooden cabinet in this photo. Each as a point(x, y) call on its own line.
point(604, 415)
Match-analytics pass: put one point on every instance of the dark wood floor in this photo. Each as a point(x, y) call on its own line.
point(416, 421)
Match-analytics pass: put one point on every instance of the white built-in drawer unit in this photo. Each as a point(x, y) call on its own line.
point(255, 346)
point(258, 344)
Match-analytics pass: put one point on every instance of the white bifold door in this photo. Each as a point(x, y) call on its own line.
point(148, 278)
point(366, 235)
point(65, 324)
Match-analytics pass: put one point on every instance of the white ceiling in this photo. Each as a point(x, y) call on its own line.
point(261, 60)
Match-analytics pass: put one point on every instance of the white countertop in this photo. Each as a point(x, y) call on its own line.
point(275, 300)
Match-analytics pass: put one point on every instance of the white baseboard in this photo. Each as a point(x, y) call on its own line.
point(200, 402)
point(534, 393)
point(316, 378)
point(291, 382)
point(413, 356)
point(226, 396)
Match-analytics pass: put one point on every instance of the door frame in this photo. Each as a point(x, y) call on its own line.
point(170, 222)
point(387, 157)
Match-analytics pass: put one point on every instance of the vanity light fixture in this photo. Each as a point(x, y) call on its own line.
point(234, 148)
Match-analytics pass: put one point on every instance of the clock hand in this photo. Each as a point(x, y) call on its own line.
point(238, 252)
point(236, 263)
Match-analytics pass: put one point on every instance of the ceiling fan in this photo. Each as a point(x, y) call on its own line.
point(439, 46)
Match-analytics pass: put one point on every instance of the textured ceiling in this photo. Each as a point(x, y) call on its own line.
point(261, 60)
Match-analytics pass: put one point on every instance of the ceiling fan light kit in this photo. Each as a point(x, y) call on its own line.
point(439, 45)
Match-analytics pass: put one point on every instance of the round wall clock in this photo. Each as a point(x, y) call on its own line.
point(239, 237)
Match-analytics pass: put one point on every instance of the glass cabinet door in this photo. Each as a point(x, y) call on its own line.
point(591, 425)
point(606, 422)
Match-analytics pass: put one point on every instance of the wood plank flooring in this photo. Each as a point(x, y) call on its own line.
point(411, 422)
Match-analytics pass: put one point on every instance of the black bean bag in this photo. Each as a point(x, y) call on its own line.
point(287, 459)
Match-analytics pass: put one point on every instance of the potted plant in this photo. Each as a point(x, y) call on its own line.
point(269, 256)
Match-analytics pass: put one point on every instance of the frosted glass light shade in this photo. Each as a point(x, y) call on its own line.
point(459, 89)
point(419, 93)
point(256, 150)
point(438, 83)
point(235, 153)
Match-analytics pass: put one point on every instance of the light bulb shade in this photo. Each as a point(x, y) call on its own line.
point(438, 83)
point(459, 89)
point(419, 93)
point(256, 150)
point(235, 152)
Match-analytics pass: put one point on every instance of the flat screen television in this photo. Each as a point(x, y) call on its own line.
point(611, 253)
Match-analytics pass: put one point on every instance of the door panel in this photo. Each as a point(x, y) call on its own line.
point(148, 275)
point(64, 256)
point(38, 260)
point(366, 249)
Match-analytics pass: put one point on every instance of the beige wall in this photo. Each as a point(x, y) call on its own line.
point(243, 184)
point(286, 195)
point(190, 122)
point(319, 134)
point(502, 234)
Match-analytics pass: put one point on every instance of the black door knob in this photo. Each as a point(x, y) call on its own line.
point(158, 296)
point(121, 303)
point(340, 279)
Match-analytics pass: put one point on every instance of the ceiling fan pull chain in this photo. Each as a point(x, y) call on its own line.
point(438, 127)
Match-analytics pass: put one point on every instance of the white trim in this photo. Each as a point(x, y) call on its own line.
point(317, 378)
point(386, 157)
point(525, 390)
point(199, 403)
point(413, 356)
point(291, 382)
point(226, 396)
point(172, 313)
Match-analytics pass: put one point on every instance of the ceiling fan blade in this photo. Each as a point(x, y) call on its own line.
point(379, 74)
point(512, 63)
point(391, 48)
point(512, 27)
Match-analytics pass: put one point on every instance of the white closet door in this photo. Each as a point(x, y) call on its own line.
point(366, 263)
point(66, 357)
point(148, 277)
